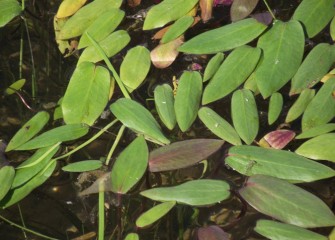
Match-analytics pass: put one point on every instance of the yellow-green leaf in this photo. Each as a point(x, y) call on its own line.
point(69, 7)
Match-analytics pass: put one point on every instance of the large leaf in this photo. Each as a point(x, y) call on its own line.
point(314, 14)
point(314, 67)
point(167, 11)
point(195, 193)
point(283, 48)
point(136, 117)
point(8, 10)
point(271, 196)
point(177, 29)
point(164, 101)
point(6, 178)
point(182, 154)
point(232, 73)
point(224, 38)
point(86, 95)
point(275, 107)
point(251, 160)
point(69, 7)
point(244, 114)
point(83, 166)
point(316, 131)
point(319, 148)
point(212, 66)
point(130, 166)
point(187, 99)
point(241, 9)
point(300, 105)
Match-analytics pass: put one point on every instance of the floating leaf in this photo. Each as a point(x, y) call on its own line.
point(86, 95)
point(300, 105)
point(316, 131)
point(270, 196)
point(277, 230)
point(136, 117)
point(251, 84)
point(65, 47)
point(280, 138)
point(232, 73)
point(212, 233)
point(212, 66)
point(83, 166)
point(182, 154)
point(245, 115)
point(164, 101)
point(219, 126)
point(195, 193)
point(132, 236)
point(241, 9)
point(69, 7)
point(163, 55)
point(14, 87)
point(283, 48)
point(8, 10)
point(6, 178)
point(177, 29)
point(275, 107)
point(251, 160)
point(206, 7)
point(224, 38)
point(154, 214)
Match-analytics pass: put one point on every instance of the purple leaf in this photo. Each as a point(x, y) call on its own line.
point(280, 138)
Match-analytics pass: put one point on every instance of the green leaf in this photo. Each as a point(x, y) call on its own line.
point(69, 7)
point(167, 11)
point(53, 136)
point(270, 196)
point(58, 113)
point(177, 29)
point(132, 236)
point(332, 29)
point(15, 86)
point(212, 66)
point(8, 10)
point(283, 48)
point(136, 117)
point(6, 178)
point(314, 15)
point(241, 9)
point(187, 99)
point(316, 131)
point(275, 107)
point(130, 166)
point(232, 73)
point(314, 67)
point(28, 130)
point(300, 105)
point(278, 231)
point(195, 193)
point(83, 166)
point(164, 101)
point(244, 115)
point(86, 95)
point(182, 154)
point(154, 214)
point(319, 148)
point(322, 107)
point(251, 160)
point(219, 126)
point(135, 67)
point(251, 84)
point(224, 38)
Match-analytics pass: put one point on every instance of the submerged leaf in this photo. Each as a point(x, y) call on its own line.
point(241, 9)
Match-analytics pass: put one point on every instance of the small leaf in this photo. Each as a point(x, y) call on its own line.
point(154, 214)
point(275, 107)
point(280, 138)
point(177, 29)
point(15, 86)
point(316, 131)
point(58, 113)
point(8, 10)
point(83, 166)
point(69, 7)
point(6, 178)
point(212, 66)
point(241, 9)
point(251, 84)
point(300, 105)
point(332, 29)
point(164, 101)
point(132, 236)
point(195, 193)
point(212, 233)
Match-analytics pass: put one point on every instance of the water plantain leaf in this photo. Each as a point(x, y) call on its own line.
point(6, 178)
point(195, 193)
point(252, 160)
point(28, 130)
point(167, 11)
point(182, 154)
point(177, 29)
point(212, 66)
point(224, 38)
point(219, 126)
point(17, 85)
point(316, 131)
point(270, 195)
point(164, 101)
point(132, 236)
point(69, 7)
point(314, 67)
point(300, 105)
point(59, 134)
point(275, 107)
point(187, 99)
point(241, 9)
point(276, 230)
point(245, 115)
point(135, 67)
point(83, 166)
point(154, 214)
point(314, 15)
point(130, 166)
point(136, 117)
point(8, 10)
point(232, 73)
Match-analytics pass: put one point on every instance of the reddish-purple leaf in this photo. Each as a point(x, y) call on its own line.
point(280, 138)
point(264, 18)
point(212, 233)
point(182, 154)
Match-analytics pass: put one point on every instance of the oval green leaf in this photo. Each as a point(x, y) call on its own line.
point(241, 9)
point(6, 178)
point(212, 66)
point(15, 86)
point(316, 131)
point(8, 10)
point(300, 105)
point(132, 236)
point(177, 29)
point(83, 166)
point(164, 101)
point(275, 107)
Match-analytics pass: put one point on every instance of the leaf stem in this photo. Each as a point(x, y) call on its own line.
point(269, 9)
point(117, 139)
point(101, 212)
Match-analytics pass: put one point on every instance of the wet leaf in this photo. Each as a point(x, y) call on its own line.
point(135, 67)
point(177, 29)
point(206, 7)
point(195, 193)
point(232, 73)
point(212, 233)
point(187, 99)
point(164, 55)
point(8, 10)
point(244, 115)
point(241, 9)
point(300, 105)
point(316, 131)
point(280, 138)
point(283, 48)
point(252, 160)
point(154, 214)
point(275, 107)
point(136, 117)
point(277, 230)
point(164, 101)
point(224, 38)
point(69, 7)
point(6, 178)
point(158, 15)
point(28, 130)
point(132, 236)
point(219, 126)
point(212, 66)
point(182, 154)
point(16, 86)
point(130, 166)
point(314, 15)
point(83, 166)
point(270, 196)
point(86, 95)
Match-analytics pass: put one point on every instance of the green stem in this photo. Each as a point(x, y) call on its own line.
point(101, 212)
point(269, 9)
point(22, 220)
point(117, 139)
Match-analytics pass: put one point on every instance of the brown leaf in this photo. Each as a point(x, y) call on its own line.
point(280, 138)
